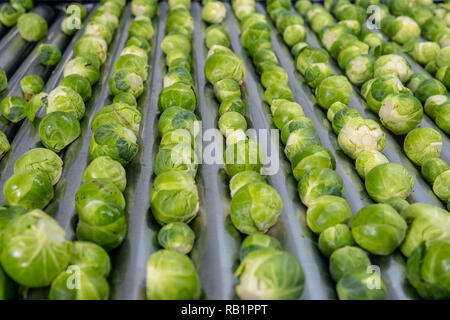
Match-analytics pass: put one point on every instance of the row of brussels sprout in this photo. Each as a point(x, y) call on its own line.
point(33, 250)
point(255, 205)
point(407, 222)
point(174, 199)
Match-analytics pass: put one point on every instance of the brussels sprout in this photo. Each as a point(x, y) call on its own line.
point(334, 109)
point(348, 260)
point(91, 286)
point(404, 30)
point(320, 21)
point(173, 4)
point(333, 89)
point(294, 124)
point(397, 203)
point(34, 249)
point(380, 88)
point(180, 21)
point(242, 156)
point(58, 129)
point(443, 75)
point(432, 168)
point(244, 178)
point(31, 85)
point(317, 72)
point(226, 88)
point(308, 56)
point(176, 156)
point(148, 8)
point(373, 39)
point(90, 256)
point(302, 6)
point(4, 145)
point(132, 63)
point(235, 136)
point(422, 144)
point(319, 182)
point(106, 168)
point(274, 75)
point(91, 45)
point(357, 286)
point(106, 18)
point(67, 100)
point(48, 54)
point(342, 117)
point(32, 27)
point(232, 104)
point(138, 42)
point(294, 34)
point(79, 84)
point(177, 136)
point(284, 111)
point(331, 34)
point(276, 285)
point(123, 81)
point(389, 180)
point(254, 33)
point(353, 25)
point(216, 35)
point(443, 58)
point(133, 49)
point(367, 160)
point(97, 190)
point(393, 64)
point(298, 140)
point(278, 91)
point(378, 228)
point(118, 113)
point(441, 186)
point(99, 30)
point(179, 94)
point(434, 104)
point(255, 207)
point(428, 88)
point(114, 140)
point(10, 14)
point(426, 269)
point(125, 98)
point(214, 12)
point(172, 276)
point(443, 118)
point(416, 79)
point(35, 103)
point(176, 118)
point(14, 108)
point(231, 121)
point(141, 27)
point(425, 52)
point(83, 67)
point(334, 238)
point(327, 211)
point(297, 48)
point(178, 74)
point(359, 68)
point(176, 42)
point(176, 236)
point(28, 189)
point(348, 53)
point(174, 197)
point(360, 134)
point(244, 11)
point(40, 161)
point(258, 241)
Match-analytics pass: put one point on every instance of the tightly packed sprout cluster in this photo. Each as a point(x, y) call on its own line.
point(174, 199)
point(389, 84)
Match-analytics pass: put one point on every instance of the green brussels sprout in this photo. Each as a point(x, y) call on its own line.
point(91, 45)
point(14, 108)
point(34, 249)
point(31, 85)
point(10, 14)
point(400, 113)
point(114, 140)
point(97, 190)
point(294, 34)
point(214, 12)
point(175, 55)
point(179, 157)
point(308, 56)
point(392, 64)
point(125, 98)
point(173, 4)
point(359, 68)
point(432, 67)
point(360, 134)
point(443, 58)
point(316, 72)
point(299, 140)
point(48, 54)
point(302, 6)
point(334, 238)
point(235, 136)
point(141, 27)
point(294, 124)
point(180, 21)
point(176, 42)
point(367, 160)
point(278, 91)
point(123, 81)
point(255, 207)
point(427, 269)
point(404, 30)
point(335, 108)
point(416, 79)
point(70, 25)
point(32, 27)
point(425, 52)
point(91, 285)
point(216, 35)
point(443, 118)
point(106, 168)
point(178, 74)
point(106, 18)
point(134, 50)
point(373, 39)
point(333, 89)
point(83, 67)
point(90, 256)
point(97, 29)
point(231, 121)
point(118, 113)
point(443, 75)
point(275, 285)
point(174, 197)
point(331, 34)
point(274, 75)
point(425, 222)
point(319, 182)
point(353, 25)
point(132, 63)
point(397, 203)
point(428, 88)
point(177, 136)
point(348, 260)
point(378, 228)
point(176, 118)
point(244, 178)
point(42, 161)
point(327, 211)
point(254, 33)
point(345, 40)
point(7, 214)
point(28, 189)
point(79, 84)
point(348, 53)
point(244, 11)
point(67, 100)
point(422, 144)
point(3, 80)
point(138, 42)
point(389, 180)
point(35, 103)
point(441, 186)
point(233, 104)
point(356, 286)
point(297, 48)
point(258, 241)
point(226, 88)
point(284, 111)
point(320, 21)
point(148, 8)
point(243, 156)
point(4, 145)
point(349, 11)
point(380, 88)
point(342, 117)
point(176, 236)
point(171, 275)
point(432, 168)
point(179, 94)
point(58, 129)
point(434, 104)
